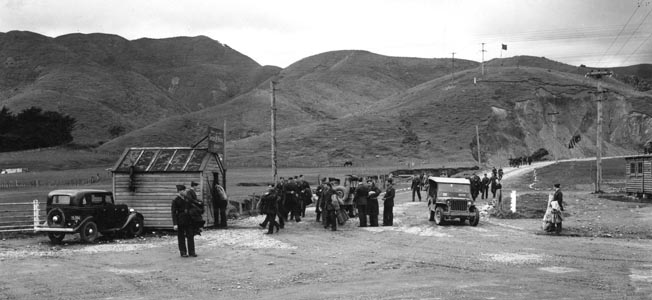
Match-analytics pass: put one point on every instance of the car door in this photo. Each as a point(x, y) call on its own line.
point(105, 217)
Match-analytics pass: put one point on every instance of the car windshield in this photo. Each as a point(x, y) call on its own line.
point(453, 188)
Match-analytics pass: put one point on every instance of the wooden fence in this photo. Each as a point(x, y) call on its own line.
point(23, 184)
point(20, 216)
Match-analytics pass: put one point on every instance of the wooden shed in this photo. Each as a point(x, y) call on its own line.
point(639, 175)
point(146, 179)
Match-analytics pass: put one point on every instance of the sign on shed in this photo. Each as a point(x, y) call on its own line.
point(215, 141)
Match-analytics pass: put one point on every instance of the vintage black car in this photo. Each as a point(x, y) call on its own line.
point(89, 213)
point(449, 199)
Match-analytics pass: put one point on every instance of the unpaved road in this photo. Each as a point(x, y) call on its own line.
point(415, 259)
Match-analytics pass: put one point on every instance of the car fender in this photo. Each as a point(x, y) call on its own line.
point(132, 216)
point(89, 218)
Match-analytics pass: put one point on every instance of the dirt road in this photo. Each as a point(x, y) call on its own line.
point(415, 259)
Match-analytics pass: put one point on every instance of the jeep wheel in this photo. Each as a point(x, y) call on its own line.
point(89, 232)
point(135, 227)
point(476, 218)
point(439, 216)
point(56, 237)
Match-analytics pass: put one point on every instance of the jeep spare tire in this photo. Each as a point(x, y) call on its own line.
point(88, 232)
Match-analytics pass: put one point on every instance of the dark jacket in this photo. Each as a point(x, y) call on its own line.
point(558, 196)
point(389, 196)
point(220, 199)
point(372, 201)
point(416, 183)
point(361, 194)
point(269, 203)
point(180, 211)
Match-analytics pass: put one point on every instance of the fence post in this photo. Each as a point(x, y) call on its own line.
point(36, 213)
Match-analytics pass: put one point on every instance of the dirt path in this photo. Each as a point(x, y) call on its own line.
point(415, 259)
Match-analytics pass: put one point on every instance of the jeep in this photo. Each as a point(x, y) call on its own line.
point(449, 199)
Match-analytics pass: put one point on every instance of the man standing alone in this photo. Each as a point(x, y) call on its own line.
point(183, 223)
point(416, 187)
point(220, 201)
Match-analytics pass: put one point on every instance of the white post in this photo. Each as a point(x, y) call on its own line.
point(513, 201)
point(35, 209)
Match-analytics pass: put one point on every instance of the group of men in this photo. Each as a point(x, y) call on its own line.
point(187, 214)
point(287, 200)
point(360, 200)
point(486, 184)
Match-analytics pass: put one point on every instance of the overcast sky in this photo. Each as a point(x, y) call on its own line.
point(598, 33)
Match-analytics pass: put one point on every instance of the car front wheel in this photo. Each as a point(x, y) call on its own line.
point(56, 237)
point(89, 232)
point(135, 227)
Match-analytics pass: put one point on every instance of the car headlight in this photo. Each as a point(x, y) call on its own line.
point(131, 210)
point(55, 219)
point(448, 202)
point(469, 203)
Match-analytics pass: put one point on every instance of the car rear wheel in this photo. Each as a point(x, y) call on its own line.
point(135, 227)
point(56, 237)
point(439, 215)
point(476, 218)
point(89, 232)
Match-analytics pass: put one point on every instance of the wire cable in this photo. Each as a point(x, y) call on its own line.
point(619, 33)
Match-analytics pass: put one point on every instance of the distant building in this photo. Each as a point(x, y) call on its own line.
point(14, 170)
point(638, 175)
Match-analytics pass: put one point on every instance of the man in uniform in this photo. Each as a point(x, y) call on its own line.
point(183, 223)
point(388, 206)
point(361, 197)
point(416, 187)
point(292, 199)
point(220, 203)
point(372, 203)
point(484, 186)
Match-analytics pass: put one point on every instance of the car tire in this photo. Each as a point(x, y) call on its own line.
point(439, 215)
point(88, 232)
point(59, 215)
point(558, 228)
point(56, 237)
point(476, 218)
point(135, 227)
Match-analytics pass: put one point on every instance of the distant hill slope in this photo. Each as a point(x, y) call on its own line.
point(328, 86)
point(514, 108)
point(112, 85)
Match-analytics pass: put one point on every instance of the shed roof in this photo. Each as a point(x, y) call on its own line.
point(162, 159)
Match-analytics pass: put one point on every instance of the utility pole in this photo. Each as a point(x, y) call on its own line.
point(273, 121)
point(483, 51)
point(598, 157)
point(554, 129)
point(453, 71)
point(477, 136)
point(224, 157)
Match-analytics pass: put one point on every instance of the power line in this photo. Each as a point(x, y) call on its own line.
point(619, 33)
point(639, 47)
point(639, 26)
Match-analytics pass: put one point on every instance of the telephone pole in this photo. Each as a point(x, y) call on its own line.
point(598, 157)
point(273, 121)
point(453, 68)
point(477, 136)
point(483, 51)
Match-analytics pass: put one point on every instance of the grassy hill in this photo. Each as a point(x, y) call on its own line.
point(320, 88)
point(112, 86)
point(510, 105)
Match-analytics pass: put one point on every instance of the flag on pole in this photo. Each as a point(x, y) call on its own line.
point(504, 47)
